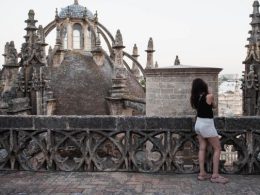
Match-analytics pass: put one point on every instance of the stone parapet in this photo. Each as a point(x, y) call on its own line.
point(118, 143)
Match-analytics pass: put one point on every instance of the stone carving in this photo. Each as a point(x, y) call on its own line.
point(40, 34)
point(251, 89)
point(251, 81)
point(26, 51)
point(32, 150)
point(31, 15)
point(29, 81)
point(3, 155)
point(11, 56)
point(36, 82)
point(39, 52)
point(118, 39)
point(143, 144)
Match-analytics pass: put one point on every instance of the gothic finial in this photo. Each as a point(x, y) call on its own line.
point(177, 61)
point(135, 51)
point(156, 65)
point(76, 2)
point(85, 14)
point(31, 14)
point(118, 39)
point(150, 44)
point(56, 12)
point(96, 17)
point(68, 12)
point(256, 7)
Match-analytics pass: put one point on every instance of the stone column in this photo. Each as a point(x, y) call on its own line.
point(87, 38)
point(97, 52)
point(119, 87)
point(70, 35)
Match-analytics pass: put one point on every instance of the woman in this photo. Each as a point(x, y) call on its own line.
point(203, 102)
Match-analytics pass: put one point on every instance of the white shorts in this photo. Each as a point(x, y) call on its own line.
point(205, 127)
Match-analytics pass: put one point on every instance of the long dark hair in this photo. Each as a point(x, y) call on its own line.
point(198, 87)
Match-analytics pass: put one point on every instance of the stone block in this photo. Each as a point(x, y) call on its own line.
point(131, 123)
point(17, 122)
point(54, 122)
point(84, 123)
point(242, 123)
point(220, 123)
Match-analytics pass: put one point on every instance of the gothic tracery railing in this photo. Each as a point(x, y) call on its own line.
point(139, 144)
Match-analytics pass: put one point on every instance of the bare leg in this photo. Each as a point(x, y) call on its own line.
point(216, 178)
point(214, 141)
point(202, 152)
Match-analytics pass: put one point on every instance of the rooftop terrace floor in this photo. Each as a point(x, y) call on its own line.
point(115, 183)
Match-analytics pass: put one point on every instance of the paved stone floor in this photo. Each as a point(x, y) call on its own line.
point(23, 183)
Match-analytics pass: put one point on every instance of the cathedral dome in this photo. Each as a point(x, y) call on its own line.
point(75, 11)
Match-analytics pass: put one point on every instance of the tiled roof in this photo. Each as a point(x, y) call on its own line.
point(74, 11)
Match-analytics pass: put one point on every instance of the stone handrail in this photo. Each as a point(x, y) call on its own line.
point(115, 143)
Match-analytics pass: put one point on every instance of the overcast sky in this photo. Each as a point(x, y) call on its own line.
point(202, 32)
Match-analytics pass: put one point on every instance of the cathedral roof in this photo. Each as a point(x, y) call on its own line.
point(75, 11)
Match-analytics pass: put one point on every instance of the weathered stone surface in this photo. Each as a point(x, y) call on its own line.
point(168, 89)
point(131, 123)
point(220, 123)
point(85, 123)
point(242, 124)
point(56, 122)
point(9, 122)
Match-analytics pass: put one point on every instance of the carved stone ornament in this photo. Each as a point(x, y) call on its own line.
point(11, 56)
point(251, 81)
point(25, 51)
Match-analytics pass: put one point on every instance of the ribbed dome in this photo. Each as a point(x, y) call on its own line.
point(75, 11)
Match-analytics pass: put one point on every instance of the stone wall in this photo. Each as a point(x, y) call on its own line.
point(168, 89)
point(138, 144)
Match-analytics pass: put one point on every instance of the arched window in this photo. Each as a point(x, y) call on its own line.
point(77, 36)
point(65, 38)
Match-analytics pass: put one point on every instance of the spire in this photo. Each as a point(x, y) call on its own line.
point(255, 15)
point(150, 51)
point(254, 34)
point(118, 39)
point(85, 13)
point(135, 51)
point(256, 7)
point(56, 14)
point(76, 2)
point(31, 28)
point(118, 50)
point(135, 69)
point(177, 61)
point(150, 45)
point(96, 17)
point(156, 64)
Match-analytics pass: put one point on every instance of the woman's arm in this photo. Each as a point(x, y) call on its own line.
point(210, 100)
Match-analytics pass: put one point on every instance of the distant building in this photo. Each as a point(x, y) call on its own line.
point(230, 96)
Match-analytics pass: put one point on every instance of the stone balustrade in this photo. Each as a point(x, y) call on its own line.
point(115, 143)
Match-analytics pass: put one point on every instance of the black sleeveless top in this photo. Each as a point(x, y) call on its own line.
point(204, 110)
